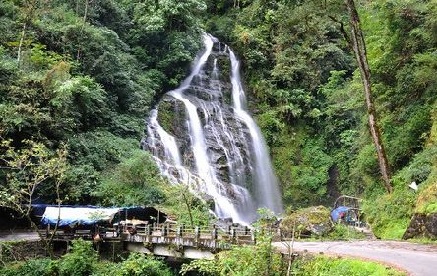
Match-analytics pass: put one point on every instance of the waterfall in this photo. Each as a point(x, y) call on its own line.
point(267, 196)
point(201, 135)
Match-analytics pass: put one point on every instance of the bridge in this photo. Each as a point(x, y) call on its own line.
point(168, 240)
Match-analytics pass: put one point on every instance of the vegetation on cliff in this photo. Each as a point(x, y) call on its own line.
point(301, 74)
point(81, 76)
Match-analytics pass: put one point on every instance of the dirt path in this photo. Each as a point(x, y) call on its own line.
point(416, 259)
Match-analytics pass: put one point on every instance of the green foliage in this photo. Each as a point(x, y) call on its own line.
point(266, 218)
point(427, 195)
point(134, 181)
point(389, 215)
point(430, 208)
point(87, 75)
point(426, 200)
point(80, 261)
point(306, 169)
point(89, 72)
point(26, 170)
point(99, 148)
point(33, 267)
point(189, 209)
point(242, 261)
point(271, 125)
point(419, 169)
point(85, 100)
point(341, 266)
point(345, 232)
point(93, 155)
point(138, 264)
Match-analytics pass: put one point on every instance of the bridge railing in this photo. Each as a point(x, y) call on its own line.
point(180, 234)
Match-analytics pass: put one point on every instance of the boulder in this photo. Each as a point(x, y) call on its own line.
point(422, 226)
point(306, 222)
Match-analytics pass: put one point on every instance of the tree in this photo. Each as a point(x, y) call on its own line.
point(359, 48)
point(259, 259)
point(187, 207)
point(25, 170)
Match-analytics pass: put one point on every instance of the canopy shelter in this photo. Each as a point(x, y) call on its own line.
point(349, 201)
point(348, 209)
point(90, 216)
point(339, 213)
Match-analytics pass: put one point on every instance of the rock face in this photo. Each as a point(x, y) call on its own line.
point(201, 135)
point(307, 222)
point(422, 226)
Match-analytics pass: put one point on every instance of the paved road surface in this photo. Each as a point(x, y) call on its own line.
point(416, 259)
point(18, 235)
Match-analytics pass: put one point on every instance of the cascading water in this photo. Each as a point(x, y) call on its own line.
point(201, 135)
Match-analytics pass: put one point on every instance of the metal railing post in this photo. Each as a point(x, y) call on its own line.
point(233, 234)
point(164, 230)
point(197, 233)
point(214, 233)
point(253, 236)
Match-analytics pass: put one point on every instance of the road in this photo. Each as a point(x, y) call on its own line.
point(415, 259)
point(18, 235)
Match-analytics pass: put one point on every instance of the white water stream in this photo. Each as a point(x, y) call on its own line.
point(230, 157)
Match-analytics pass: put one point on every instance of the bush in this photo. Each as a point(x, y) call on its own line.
point(341, 266)
point(137, 265)
point(80, 261)
point(35, 267)
point(135, 181)
point(389, 214)
point(344, 232)
point(241, 261)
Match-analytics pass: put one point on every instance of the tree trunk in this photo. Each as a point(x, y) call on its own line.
point(20, 45)
point(29, 8)
point(188, 208)
point(359, 47)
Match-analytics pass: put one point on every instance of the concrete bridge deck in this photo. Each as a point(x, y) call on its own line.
point(165, 239)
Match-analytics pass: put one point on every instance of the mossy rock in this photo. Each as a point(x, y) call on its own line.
point(422, 226)
point(315, 220)
point(424, 222)
point(167, 118)
point(426, 202)
point(225, 67)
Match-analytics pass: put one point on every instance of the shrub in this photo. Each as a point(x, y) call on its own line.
point(241, 261)
point(344, 232)
point(35, 267)
point(137, 264)
point(341, 266)
point(389, 214)
point(80, 261)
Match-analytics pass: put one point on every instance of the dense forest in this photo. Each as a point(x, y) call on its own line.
point(78, 78)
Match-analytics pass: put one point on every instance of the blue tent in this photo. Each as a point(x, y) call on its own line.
point(339, 212)
point(89, 216)
point(72, 216)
